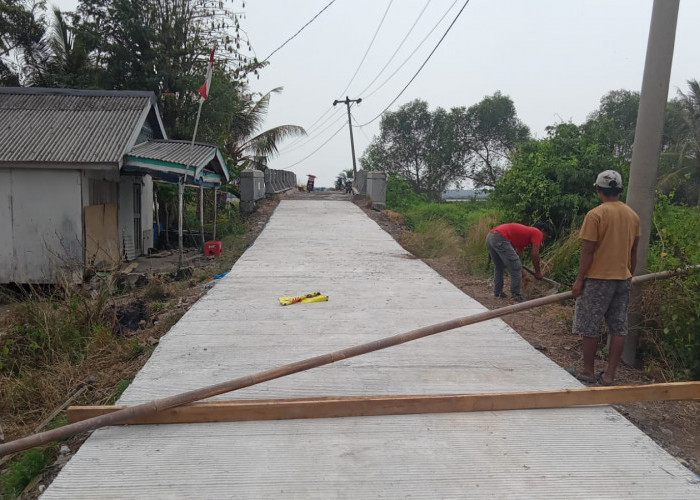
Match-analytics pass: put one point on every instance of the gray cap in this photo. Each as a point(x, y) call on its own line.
point(609, 179)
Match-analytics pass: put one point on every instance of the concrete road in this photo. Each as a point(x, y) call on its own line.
point(376, 289)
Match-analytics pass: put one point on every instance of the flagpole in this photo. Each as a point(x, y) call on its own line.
point(204, 93)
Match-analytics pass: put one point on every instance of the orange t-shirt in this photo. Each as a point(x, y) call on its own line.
point(520, 235)
point(614, 226)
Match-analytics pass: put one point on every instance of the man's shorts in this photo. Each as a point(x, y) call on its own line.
point(600, 299)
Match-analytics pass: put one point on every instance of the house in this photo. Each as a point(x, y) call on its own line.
point(72, 193)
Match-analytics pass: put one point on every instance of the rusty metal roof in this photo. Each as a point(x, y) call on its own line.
point(71, 126)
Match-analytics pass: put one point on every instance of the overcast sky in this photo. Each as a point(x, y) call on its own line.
point(554, 58)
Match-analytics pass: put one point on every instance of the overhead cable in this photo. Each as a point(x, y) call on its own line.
point(412, 53)
point(368, 48)
point(315, 150)
point(421, 66)
point(309, 139)
point(300, 30)
point(397, 48)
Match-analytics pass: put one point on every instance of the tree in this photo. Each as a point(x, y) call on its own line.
point(60, 58)
point(22, 26)
point(242, 141)
point(680, 165)
point(620, 107)
point(486, 135)
point(163, 46)
point(417, 145)
point(552, 178)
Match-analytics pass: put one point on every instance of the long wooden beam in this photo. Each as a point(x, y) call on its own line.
point(144, 409)
point(353, 406)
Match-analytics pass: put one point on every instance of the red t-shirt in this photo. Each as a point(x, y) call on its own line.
point(520, 235)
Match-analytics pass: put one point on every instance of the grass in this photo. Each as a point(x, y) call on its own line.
point(431, 239)
point(21, 471)
point(57, 337)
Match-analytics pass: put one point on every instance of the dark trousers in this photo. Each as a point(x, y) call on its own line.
point(504, 257)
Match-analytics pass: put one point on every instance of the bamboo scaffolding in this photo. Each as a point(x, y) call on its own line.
point(144, 409)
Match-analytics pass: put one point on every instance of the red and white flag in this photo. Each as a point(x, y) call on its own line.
point(204, 89)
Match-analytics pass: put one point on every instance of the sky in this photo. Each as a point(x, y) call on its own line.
point(554, 58)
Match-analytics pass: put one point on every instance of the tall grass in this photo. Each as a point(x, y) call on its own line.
point(475, 254)
point(55, 323)
point(432, 238)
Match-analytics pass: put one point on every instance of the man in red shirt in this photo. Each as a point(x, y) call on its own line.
point(506, 244)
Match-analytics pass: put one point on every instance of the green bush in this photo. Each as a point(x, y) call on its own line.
point(552, 179)
point(400, 196)
point(673, 306)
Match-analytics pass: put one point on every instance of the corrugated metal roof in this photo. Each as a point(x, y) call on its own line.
point(180, 152)
point(57, 126)
point(201, 155)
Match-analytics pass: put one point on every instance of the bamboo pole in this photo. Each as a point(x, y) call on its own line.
point(141, 410)
point(356, 406)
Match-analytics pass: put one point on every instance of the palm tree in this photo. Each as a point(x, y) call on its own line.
point(59, 59)
point(249, 148)
point(683, 155)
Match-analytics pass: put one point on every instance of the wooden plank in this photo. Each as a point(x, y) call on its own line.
point(352, 406)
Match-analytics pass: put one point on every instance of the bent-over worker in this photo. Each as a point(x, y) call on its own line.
point(506, 244)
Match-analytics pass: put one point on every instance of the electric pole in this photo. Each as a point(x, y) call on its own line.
point(647, 144)
point(347, 102)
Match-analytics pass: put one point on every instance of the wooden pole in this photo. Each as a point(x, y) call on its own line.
point(201, 214)
point(214, 225)
point(154, 406)
point(180, 196)
point(355, 406)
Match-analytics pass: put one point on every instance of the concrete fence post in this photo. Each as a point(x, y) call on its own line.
point(252, 189)
point(268, 181)
point(376, 189)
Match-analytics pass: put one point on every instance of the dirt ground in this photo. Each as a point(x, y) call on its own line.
point(674, 425)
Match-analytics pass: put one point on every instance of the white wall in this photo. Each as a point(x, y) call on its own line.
point(126, 214)
point(45, 214)
point(6, 238)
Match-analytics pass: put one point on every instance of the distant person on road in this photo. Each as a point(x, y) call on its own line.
point(506, 244)
point(610, 234)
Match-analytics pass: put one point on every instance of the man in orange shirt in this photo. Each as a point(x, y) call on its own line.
point(610, 234)
point(506, 244)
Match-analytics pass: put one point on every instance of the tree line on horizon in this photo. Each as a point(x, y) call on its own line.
point(548, 178)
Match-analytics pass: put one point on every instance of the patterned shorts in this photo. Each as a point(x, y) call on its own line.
point(602, 299)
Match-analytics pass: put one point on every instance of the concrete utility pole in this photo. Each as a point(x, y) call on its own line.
point(347, 102)
point(647, 142)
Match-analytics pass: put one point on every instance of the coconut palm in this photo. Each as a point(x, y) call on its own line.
point(682, 159)
point(245, 145)
point(59, 59)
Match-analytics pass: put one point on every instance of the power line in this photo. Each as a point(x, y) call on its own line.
point(397, 48)
point(300, 30)
point(361, 129)
point(422, 65)
point(368, 48)
point(316, 150)
point(308, 129)
point(314, 137)
point(412, 53)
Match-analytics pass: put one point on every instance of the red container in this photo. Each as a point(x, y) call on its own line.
point(212, 248)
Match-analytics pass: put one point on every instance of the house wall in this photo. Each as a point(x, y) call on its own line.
point(45, 229)
point(127, 231)
point(6, 239)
